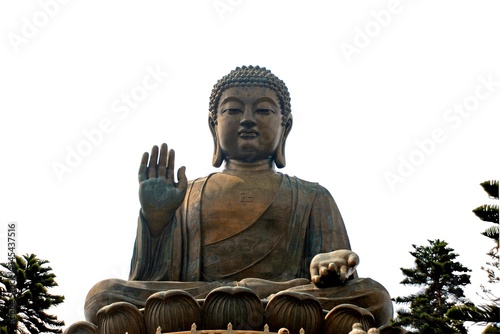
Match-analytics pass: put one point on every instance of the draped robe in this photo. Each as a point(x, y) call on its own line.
point(301, 221)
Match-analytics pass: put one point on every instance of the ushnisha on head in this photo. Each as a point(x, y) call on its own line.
point(251, 77)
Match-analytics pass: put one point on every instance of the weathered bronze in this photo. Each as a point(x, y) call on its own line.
point(247, 226)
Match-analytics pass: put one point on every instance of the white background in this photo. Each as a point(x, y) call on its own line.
point(355, 117)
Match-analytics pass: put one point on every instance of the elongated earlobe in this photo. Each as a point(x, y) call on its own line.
point(218, 157)
point(279, 157)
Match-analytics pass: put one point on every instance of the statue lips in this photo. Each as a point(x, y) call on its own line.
point(248, 133)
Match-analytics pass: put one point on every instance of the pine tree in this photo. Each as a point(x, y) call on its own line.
point(488, 313)
point(25, 297)
point(489, 213)
point(441, 280)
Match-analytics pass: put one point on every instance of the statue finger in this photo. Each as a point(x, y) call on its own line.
point(323, 271)
point(143, 167)
point(316, 279)
point(181, 177)
point(353, 260)
point(332, 267)
point(162, 167)
point(171, 165)
point(343, 273)
point(153, 162)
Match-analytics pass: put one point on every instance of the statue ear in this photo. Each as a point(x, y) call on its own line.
point(217, 157)
point(279, 157)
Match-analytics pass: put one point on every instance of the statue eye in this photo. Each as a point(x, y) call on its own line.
point(232, 111)
point(264, 111)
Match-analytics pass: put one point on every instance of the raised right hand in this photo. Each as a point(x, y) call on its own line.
point(159, 194)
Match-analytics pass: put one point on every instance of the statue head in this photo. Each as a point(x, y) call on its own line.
point(271, 98)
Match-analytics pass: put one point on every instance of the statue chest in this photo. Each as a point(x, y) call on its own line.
point(231, 204)
point(245, 226)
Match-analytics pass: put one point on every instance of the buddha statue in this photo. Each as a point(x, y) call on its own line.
point(247, 226)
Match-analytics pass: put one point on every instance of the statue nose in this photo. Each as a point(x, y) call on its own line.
point(248, 119)
point(247, 123)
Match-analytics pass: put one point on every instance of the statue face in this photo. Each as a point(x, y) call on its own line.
point(249, 123)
